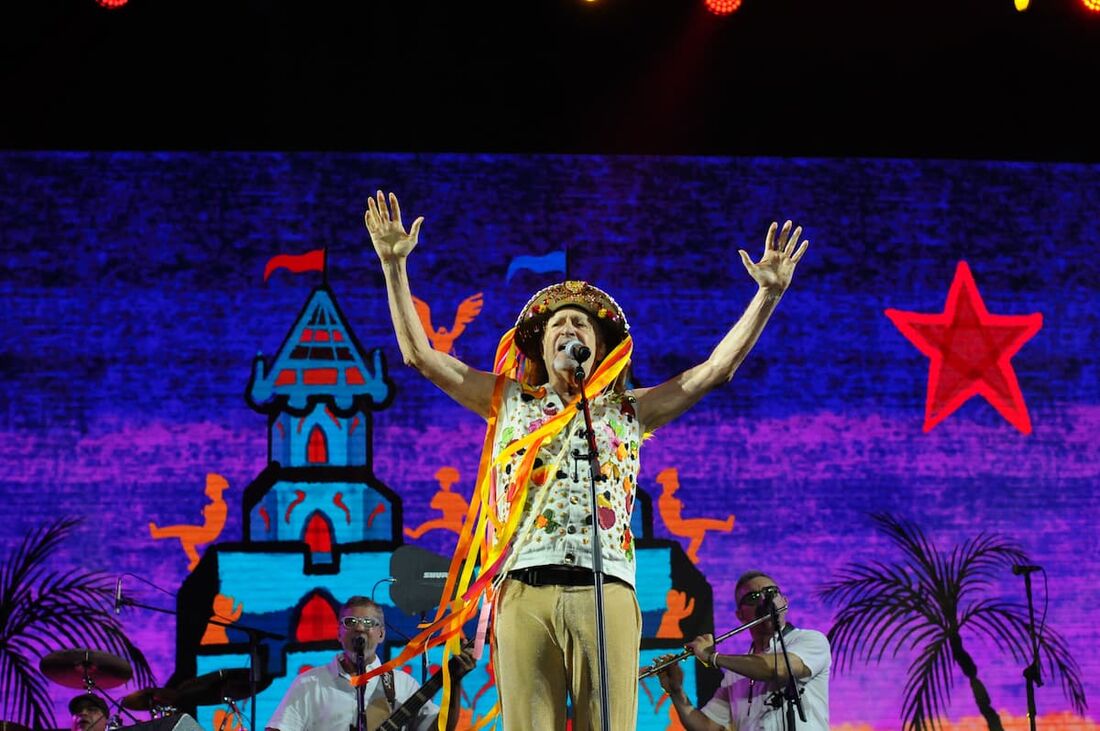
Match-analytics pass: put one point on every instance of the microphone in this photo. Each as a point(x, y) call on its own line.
point(577, 350)
point(118, 596)
point(360, 644)
point(1022, 569)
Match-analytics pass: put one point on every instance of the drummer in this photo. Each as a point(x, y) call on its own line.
point(89, 713)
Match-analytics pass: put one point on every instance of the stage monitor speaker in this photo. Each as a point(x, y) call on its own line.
point(182, 722)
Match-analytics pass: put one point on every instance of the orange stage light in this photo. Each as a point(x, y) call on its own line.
point(724, 7)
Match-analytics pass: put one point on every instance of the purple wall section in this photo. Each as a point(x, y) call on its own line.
point(134, 304)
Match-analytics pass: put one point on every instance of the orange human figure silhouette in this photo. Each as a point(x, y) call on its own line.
point(441, 338)
point(225, 612)
point(226, 721)
point(694, 528)
point(679, 606)
point(674, 723)
point(451, 504)
point(213, 515)
point(674, 719)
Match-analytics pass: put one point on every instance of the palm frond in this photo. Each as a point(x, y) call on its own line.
point(1062, 665)
point(877, 628)
point(25, 695)
point(983, 559)
point(924, 602)
point(42, 610)
point(925, 561)
point(1003, 622)
point(881, 607)
point(928, 688)
point(1007, 624)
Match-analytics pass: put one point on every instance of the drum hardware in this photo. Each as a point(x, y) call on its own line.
point(92, 671)
point(159, 702)
point(255, 634)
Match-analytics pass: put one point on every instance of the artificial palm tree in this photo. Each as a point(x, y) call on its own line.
point(42, 610)
point(929, 602)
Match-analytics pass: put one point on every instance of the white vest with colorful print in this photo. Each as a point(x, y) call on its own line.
point(555, 528)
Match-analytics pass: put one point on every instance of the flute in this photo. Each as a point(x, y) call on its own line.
point(658, 667)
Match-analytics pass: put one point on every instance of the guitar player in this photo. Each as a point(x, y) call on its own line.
point(323, 698)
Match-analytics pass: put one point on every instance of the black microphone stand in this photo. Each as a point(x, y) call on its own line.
point(360, 690)
point(255, 634)
point(1032, 672)
point(790, 692)
point(597, 551)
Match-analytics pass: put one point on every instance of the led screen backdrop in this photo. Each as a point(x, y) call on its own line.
point(934, 360)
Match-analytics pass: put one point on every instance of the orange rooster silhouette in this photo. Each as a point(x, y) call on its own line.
point(442, 339)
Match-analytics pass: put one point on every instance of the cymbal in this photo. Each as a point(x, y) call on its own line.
point(70, 667)
point(147, 699)
point(213, 688)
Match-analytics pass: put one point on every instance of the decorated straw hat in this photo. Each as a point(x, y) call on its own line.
point(593, 300)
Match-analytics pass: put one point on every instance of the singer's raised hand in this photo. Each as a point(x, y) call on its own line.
point(776, 267)
point(387, 233)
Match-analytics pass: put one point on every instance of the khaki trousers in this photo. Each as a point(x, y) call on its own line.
point(545, 648)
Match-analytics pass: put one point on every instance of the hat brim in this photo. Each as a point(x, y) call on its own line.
point(599, 305)
point(529, 333)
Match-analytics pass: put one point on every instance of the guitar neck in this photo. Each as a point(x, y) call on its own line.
point(412, 706)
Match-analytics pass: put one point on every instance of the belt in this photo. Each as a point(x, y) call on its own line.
point(560, 576)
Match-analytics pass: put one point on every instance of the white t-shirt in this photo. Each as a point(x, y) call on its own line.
point(323, 699)
point(744, 703)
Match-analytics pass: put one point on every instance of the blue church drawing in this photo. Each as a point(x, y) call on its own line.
point(319, 526)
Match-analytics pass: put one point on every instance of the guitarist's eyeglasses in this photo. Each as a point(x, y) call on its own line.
point(357, 622)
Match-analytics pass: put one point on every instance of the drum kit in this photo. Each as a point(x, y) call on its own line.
point(94, 672)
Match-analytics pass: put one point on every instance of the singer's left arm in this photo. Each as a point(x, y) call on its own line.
point(661, 404)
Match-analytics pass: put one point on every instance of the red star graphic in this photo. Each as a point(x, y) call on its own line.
point(970, 351)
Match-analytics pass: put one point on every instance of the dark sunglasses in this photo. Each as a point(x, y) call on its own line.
point(755, 596)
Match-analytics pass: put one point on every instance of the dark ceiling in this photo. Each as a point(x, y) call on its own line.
point(969, 78)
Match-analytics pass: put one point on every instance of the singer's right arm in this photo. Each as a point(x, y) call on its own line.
point(468, 386)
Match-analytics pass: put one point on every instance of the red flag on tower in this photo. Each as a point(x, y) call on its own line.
point(311, 261)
